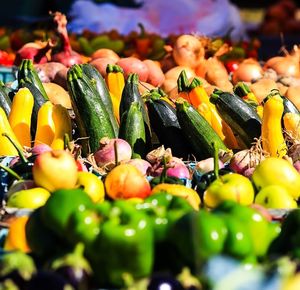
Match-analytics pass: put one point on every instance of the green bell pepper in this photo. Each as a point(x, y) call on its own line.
point(124, 247)
point(164, 210)
point(197, 236)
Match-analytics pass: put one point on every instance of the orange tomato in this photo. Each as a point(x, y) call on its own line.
point(16, 237)
point(126, 181)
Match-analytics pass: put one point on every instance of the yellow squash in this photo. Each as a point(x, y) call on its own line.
point(45, 129)
point(115, 82)
point(273, 141)
point(63, 126)
point(291, 123)
point(6, 147)
point(20, 115)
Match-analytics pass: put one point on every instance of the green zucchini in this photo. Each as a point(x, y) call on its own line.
point(91, 117)
point(165, 125)
point(239, 115)
point(100, 85)
point(5, 101)
point(198, 131)
point(131, 94)
point(132, 129)
point(27, 73)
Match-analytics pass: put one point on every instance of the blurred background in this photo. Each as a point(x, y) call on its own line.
point(274, 23)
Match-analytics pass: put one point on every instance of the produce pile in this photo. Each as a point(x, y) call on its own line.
point(128, 172)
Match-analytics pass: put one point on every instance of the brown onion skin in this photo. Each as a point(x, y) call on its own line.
point(248, 71)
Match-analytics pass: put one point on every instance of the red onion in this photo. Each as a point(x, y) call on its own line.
point(176, 168)
point(179, 170)
point(40, 148)
point(36, 51)
point(105, 154)
point(67, 56)
point(141, 164)
point(20, 185)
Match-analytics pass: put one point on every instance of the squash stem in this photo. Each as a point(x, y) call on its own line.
point(19, 150)
point(11, 172)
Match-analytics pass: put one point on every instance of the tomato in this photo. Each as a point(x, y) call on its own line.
point(232, 65)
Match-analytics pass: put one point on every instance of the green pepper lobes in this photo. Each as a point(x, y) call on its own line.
point(163, 209)
point(197, 236)
point(124, 247)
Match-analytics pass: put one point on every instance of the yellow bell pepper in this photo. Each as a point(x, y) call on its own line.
point(20, 115)
point(115, 82)
point(63, 126)
point(179, 190)
point(45, 129)
point(291, 123)
point(273, 141)
point(6, 147)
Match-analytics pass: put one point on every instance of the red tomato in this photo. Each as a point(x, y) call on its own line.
point(232, 65)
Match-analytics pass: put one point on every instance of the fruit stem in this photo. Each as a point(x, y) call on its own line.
point(216, 160)
point(11, 172)
point(116, 153)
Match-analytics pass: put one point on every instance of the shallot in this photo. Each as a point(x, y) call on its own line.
point(112, 151)
point(67, 56)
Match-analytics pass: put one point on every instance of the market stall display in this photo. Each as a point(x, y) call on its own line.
point(129, 162)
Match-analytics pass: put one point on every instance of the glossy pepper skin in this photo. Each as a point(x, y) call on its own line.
point(163, 210)
point(124, 246)
point(197, 236)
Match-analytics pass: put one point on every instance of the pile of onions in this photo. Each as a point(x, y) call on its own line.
point(249, 70)
point(112, 150)
point(285, 66)
point(188, 51)
point(67, 56)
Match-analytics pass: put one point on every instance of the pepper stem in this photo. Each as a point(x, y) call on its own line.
point(11, 172)
point(163, 175)
point(19, 150)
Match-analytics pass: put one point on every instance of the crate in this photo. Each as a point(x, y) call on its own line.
point(8, 74)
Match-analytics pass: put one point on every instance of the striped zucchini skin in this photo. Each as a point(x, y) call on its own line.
point(198, 131)
point(131, 94)
point(239, 115)
point(91, 116)
point(132, 129)
point(100, 85)
point(5, 101)
point(165, 125)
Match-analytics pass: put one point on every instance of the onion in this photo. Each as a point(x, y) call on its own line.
point(243, 160)
point(207, 165)
point(36, 51)
point(178, 170)
point(40, 148)
point(286, 66)
point(188, 51)
point(105, 53)
point(105, 154)
point(248, 70)
point(67, 56)
point(141, 164)
point(20, 185)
